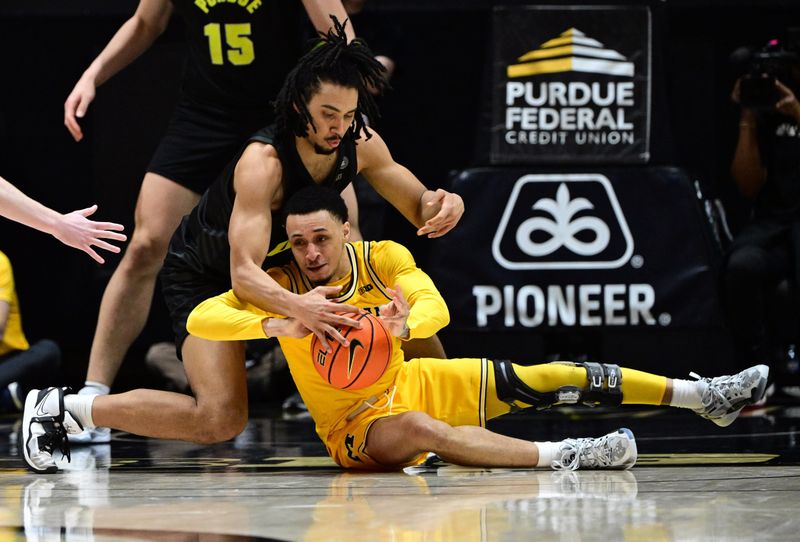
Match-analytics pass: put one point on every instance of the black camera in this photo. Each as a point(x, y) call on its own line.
point(761, 67)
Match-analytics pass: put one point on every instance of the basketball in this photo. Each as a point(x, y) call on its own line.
point(363, 362)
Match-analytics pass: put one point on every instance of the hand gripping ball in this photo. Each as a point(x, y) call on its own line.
point(361, 363)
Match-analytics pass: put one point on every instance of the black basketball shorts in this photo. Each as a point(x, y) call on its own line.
point(201, 139)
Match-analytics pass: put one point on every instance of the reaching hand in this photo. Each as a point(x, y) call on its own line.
point(77, 231)
point(450, 208)
point(395, 313)
point(317, 313)
point(76, 105)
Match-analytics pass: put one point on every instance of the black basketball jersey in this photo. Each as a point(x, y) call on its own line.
point(203, 235)
point(240, 51)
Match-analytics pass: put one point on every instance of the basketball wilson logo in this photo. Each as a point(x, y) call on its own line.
point(562, 222)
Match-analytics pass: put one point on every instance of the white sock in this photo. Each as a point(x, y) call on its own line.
point(687, 393)
point(90, 387)
point(80, 406)
point(547, 453)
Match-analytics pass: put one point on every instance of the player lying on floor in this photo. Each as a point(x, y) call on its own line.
point(422, 405)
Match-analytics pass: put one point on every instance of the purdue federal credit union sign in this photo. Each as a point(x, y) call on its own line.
point(571, 84)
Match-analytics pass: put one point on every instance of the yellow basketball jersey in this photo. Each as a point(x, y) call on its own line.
point(374, 267)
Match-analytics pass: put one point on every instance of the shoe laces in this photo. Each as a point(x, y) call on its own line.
point(55, 436)
point(586, 452)
point(721, 391)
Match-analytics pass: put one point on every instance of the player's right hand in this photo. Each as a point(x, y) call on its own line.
point(76, 105)
point(318, 313)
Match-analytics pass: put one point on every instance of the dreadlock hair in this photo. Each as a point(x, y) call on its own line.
point(331, 60)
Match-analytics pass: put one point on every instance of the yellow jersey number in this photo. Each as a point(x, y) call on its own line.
point(239, 51)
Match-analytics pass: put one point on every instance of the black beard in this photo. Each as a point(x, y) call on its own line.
point(323, 150)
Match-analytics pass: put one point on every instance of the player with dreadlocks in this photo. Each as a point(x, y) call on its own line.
point(319, 138)
point(325, 63)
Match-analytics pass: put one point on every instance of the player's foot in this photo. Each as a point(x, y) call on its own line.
point(45, 425)
point(726, 396)
point(616, 450)
point(98, 435)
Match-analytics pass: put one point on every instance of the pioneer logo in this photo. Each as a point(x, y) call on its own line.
point(571, 221)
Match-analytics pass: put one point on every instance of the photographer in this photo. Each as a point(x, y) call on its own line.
point(761, 269)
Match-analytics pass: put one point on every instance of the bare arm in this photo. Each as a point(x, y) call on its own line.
point(73, 229)
point(350, 199)
point(747, 169)
point(320, 11)
point(256, 181)
point(133, 38)
point(434, 213)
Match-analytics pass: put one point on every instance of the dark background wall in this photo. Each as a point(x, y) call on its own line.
point(431, 121)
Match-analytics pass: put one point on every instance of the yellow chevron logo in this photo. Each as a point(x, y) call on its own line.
point(572, 51)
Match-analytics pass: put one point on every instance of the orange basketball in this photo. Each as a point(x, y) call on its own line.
point(360, 364)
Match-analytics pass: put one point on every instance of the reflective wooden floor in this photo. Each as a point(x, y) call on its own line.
point(694, 481)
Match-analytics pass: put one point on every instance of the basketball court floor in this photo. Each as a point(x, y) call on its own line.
point(693, 481)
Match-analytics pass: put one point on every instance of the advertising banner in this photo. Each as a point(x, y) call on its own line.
point(623, 248)
point(571, 84)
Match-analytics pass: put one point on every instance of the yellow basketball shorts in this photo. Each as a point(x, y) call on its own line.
point(449, 390)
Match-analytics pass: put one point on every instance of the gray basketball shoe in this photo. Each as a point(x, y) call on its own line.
point(726, 396)
point(616, 450)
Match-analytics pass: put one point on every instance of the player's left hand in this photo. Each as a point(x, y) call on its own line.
point(448, 208)
point(395, 313)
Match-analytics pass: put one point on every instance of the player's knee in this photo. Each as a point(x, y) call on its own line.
point(145, 252)
point(221, 425)
point(424, 431)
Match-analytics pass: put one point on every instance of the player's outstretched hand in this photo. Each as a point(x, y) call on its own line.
point(448, 208)
point(394, 314)
point(318, 313)
point(76, 230)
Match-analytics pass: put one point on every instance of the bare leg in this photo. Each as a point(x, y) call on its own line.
point(217, 412)
point(129, 294)
point(395, 440)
